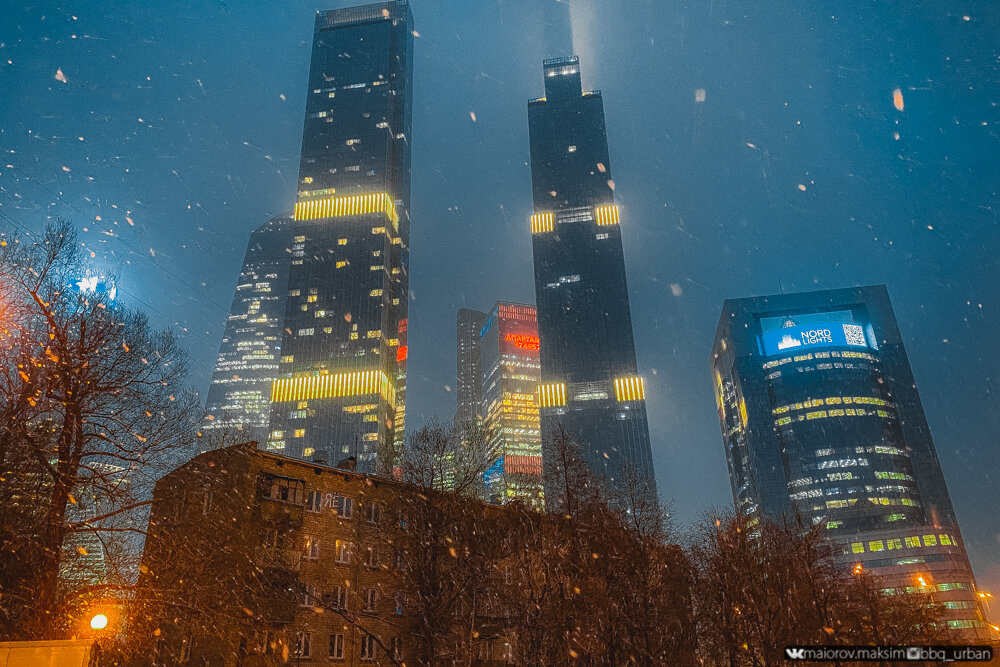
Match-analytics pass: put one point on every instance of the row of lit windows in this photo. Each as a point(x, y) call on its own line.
point(551, 394)
point(845, 354)
point(941, 588)
point(603, 217)
point(334, 385)
point(630, 388)
point(334, 207)
point(897, 543)
point(825, 414)
point(831, 400)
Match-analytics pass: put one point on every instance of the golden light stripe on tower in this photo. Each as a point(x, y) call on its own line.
point(358, 383)
point(541, 222)
point(551, 394)
point(336, 207)
point(630, 388)
point(606, 215)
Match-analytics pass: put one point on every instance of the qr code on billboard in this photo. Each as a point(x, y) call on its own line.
point(854, 335)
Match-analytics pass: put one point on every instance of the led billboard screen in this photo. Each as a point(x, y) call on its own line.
point(823, 334)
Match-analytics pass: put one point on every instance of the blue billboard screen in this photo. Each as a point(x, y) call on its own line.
point(823, 334)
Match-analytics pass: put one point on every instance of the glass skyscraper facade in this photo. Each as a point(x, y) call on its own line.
point(469, 375)
point(590, 383)
point(342, 378)
point(822, 422)
point(240, 394)
point(510, 377)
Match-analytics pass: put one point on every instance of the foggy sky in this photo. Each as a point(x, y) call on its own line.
point(787, 177)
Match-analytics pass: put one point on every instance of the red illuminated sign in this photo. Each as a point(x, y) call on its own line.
point(401, 353)
point(522, 341)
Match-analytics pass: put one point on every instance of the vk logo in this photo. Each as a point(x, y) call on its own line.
point(795, 653)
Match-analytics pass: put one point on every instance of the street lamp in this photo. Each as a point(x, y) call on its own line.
point(99, 622)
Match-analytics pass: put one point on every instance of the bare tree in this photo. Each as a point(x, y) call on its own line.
point(760, 588)
point(94, 410)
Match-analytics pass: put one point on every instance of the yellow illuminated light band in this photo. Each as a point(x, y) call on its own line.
point(359, 383)
point(606, 215)
point(632, 388)
point(541, 222)
point(552, 394)
point(336, 207)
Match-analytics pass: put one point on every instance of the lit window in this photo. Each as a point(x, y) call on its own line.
point(930, 540)
point(307, 332)
point(375, 292)
point(571, 149)
point(857, 547)
point(311, 298)
point(299, 433)
point(341, 241)
point(287, 359)
point(343, 553)
point(912, 541)
point(945, 540)
point(876, 545)
point(307, 179)
point(294, 292)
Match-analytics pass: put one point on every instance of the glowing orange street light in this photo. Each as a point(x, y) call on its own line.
point(99, 622)
point(858, 568)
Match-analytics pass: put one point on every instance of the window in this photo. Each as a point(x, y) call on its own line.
point(206, 505)
point(912, 541)
point(185, 652)
point(369, 598)
point(895, 543)
point(374, 511)
point(284, 489)
point(930, 540)
point(371, 556)
point(337, 646)
point(945, 540)
point(310, 549)
point(271, 539)
point(343, 553)
point(307, 595)
point(344, 506)
point(336, 598)
point(857, 547)
point(313, 500)
point(396, 648)
point(367, 647)
point(304, 647)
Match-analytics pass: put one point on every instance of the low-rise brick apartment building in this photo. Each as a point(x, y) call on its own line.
point(259, 559)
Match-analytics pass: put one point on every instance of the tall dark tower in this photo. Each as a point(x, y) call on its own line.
point(822, 421)
point(469, 388)
point(342, 383)
point(590, 384)
point(240, 394)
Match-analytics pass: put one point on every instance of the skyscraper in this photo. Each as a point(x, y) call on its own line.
point(510, 376)
point(240, 394)
point(342, 379)
point(590, 383)
point(469, 385)
point(822, 421)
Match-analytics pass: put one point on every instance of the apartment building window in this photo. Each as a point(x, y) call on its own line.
point(374, 513)
point(272, 539)
point(344, 505)
point(367, 647)
point(304, 647)
point(343, 553)
point(371, 556)
point(337, 646)
point(185, 653)
point(308, 596)
point(369, 597)
point(396, 648)
point(310, 550)
point(314, 501)
point(336, 598)
point(284, 489)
